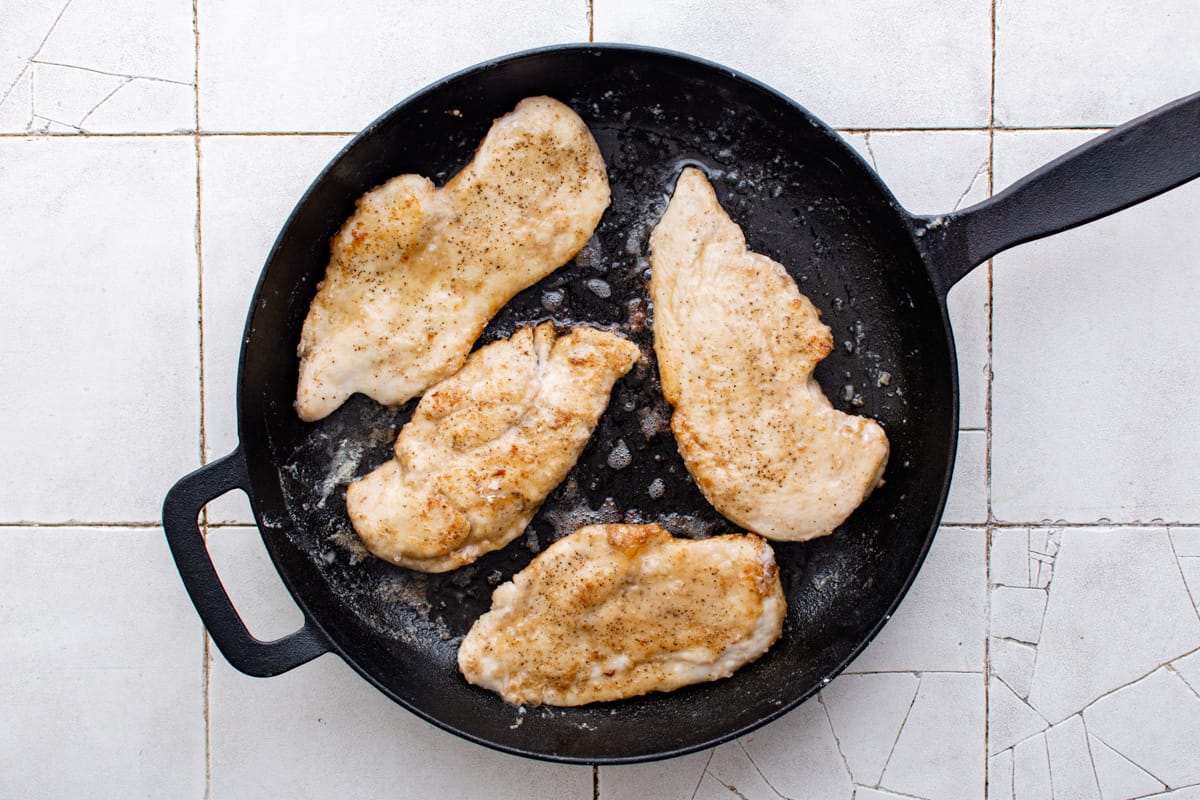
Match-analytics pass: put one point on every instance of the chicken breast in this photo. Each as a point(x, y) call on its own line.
point(486, 446)
point(737, 344)
point(416, 272)
point(616, 611)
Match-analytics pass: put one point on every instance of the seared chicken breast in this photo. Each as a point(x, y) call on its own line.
point(737, 344)
point(417, 271)
point(485, 446)
point(614, 611)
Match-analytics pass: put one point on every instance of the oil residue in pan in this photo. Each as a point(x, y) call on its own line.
point(631, 470)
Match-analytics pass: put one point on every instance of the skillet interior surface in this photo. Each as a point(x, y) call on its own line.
point(803, 198)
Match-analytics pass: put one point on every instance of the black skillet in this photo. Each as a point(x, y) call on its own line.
point(879, 275)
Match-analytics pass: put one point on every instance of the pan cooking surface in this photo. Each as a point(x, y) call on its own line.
point(801, 199)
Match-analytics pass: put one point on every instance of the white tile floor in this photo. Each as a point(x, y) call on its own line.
point(149, 153)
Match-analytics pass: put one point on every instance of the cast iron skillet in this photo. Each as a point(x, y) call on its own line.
point(879, 275)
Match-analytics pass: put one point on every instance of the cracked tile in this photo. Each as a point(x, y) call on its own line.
point(867, 793)
point(145, 105)
point(1155, 723)
point(140, 38)
point(1186, 541)
point(26, 23)
point(16, 109)
point(711, 788)
point(1117, 610)
point(1010, 720)
point(1031, 770)
point(67, 95)
point(745, 768)
point(1041, 556)
point(940, 752)
point(1190, 569)
point(1185, 793)
point(737, 776)
point(1041, 570)
point(1071, 772)
point(867, 712)
point(1023, 558)
point(44, 125)
point(1000, 776)
point(941, 624)
point(674, 779)
point(1009, 557)
point(102, 66)
point(1017, 613)
point(1188, 668)
point(803, 751)
point(94, 102)
point(1012, 662)
point(798, 755)
point(1118, 777)
point(928, 171)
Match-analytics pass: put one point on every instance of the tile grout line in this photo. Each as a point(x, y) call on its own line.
point(987, 429)
point(979, 526)
point(205, 654)
point(199, 227)
point(849, 131)
point(175, 134)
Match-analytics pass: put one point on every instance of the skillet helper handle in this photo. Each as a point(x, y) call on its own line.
point(1142, 158)
point(181, 510)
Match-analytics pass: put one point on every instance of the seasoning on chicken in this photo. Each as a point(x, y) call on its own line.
point(486, 446)
point(416, 272)
point(616, 611)
point(737, 344)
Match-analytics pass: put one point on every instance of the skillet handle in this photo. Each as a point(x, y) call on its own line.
point(1142, 158)
point(180, 512)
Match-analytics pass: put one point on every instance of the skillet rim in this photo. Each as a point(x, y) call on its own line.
point(909, 222)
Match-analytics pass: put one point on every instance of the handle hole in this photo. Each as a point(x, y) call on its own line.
point(233, 507)
point(252, 583)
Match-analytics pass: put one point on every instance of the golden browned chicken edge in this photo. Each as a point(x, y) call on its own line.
point(618, 611)
point(417, 271)
point(737, 344)
point(487, 445)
